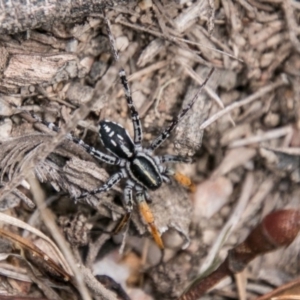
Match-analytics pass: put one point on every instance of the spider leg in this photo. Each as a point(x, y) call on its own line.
point(113, 180)
point(128, 199)
point(147, 197)
point(137, 126)
point(149, 218)
point(181, 179)
point(138, 133)
point(174, 158)
point(128, 203)
point(165, 178)
point(109, 159)
point(165, 134)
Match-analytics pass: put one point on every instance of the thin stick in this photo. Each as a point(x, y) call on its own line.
point(269, 135)
point(156, 66)
point(111, 37)
point(176, 39)
point(48, 218)
point(260, 93)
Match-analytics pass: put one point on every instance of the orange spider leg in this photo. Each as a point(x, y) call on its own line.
point(149, 219)
point(185, 181)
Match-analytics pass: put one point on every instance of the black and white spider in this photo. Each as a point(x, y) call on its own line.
point(139, 166)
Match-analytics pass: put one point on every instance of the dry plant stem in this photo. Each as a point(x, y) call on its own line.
point(95, 285)
point(124, 235)
point(287, 150)
point(159, 94)
point(286, 297)
point(278, 229)
point(257, 199)
point(150, 69)
point(231, 223)
point(145, 251)
point(34, 218)
point(15, 272)
point(260, 93)
point(6, 219)
point(269, 135)
point(209, 48)
point(48, 219)
point(241, 282)
point(42, 284)
point(25, 199)
point(196, 291)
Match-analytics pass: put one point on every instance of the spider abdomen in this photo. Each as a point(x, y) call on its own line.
point(145, 172)
point(116, 139)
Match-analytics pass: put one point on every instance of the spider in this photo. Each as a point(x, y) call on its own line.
point(138, 165)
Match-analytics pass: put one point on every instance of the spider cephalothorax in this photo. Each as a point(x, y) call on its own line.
point(139, 166)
